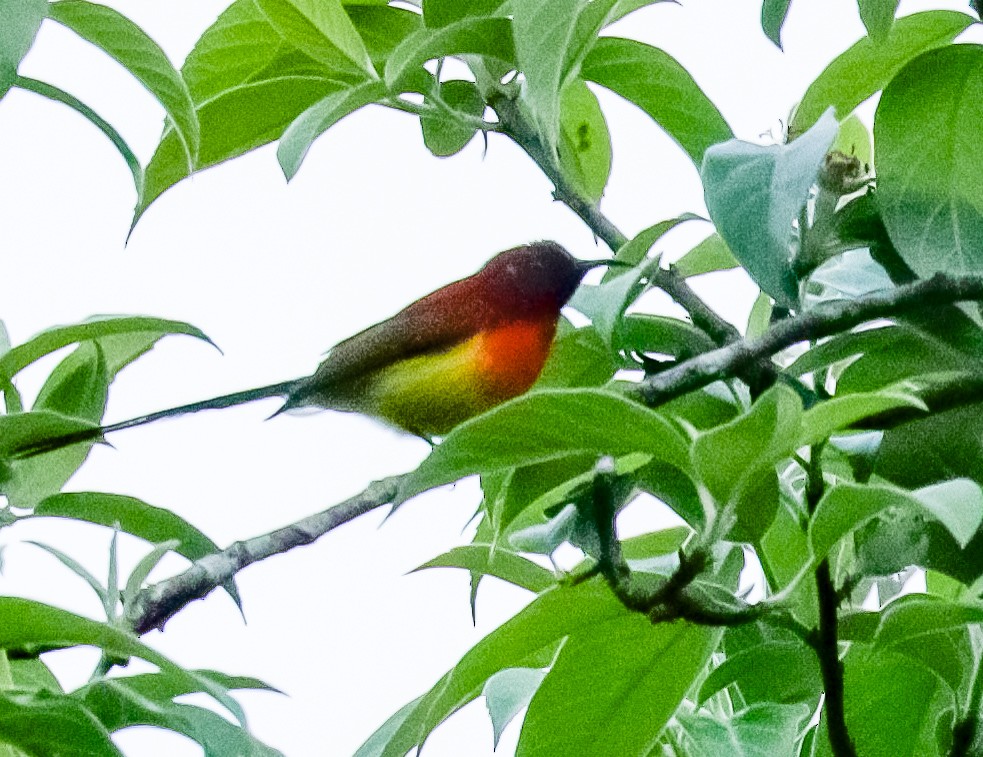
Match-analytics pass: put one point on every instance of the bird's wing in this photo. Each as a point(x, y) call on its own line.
point(434, 323)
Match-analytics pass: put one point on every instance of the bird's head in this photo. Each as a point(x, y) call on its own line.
point(541, 276)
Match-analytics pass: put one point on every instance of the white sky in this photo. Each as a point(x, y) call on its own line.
point(276, 274)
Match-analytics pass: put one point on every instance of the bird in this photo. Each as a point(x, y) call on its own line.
point(449, 356)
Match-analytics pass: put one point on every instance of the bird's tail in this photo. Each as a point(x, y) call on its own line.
point(41, 446)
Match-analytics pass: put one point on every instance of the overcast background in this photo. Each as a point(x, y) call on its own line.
point(276, 274)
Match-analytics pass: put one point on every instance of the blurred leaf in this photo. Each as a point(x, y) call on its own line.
point(579, 357)
point(784, 552)
point(481, 36)
point(760, 317)
point(21, 21)
point(133, 516)
point(581, 708)
point(322, 30)
point(443, 134)
point(585, 144)
point(498, 561)
point(530, 639)
point(829, 416)
point(437, 13)
point(878, 16)
point(59, 95)
point(894, 706)
point(31, 674)
point(507, 693)
point(143, 568)
point(543, 32)
point(377, 743)
point(755, 194)
point(712, 254)
point(916, 615)
point(957, 504)
point(929, 189)
point(318, 118)
point(762, 730)
point(776, 671)
point(671, 486)
point(382, 28)
point(726, 458)
point(76, 568)
point(655, 82)
point(854, 139)
point(42, 723)
point(18, 431)
point(29, 625)
point(869, 65)
point(57, 337)
point(642, 332)
point(545, 425)
point(773, 14)
point(637, 248)
point(248, 85)
point(606, 302)
point(130, 46)
point(125, 702)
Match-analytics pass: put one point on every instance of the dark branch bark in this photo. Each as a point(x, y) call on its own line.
point(822, 321)
point(156, 604)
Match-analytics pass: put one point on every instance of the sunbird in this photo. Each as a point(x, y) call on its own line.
point(449, 356)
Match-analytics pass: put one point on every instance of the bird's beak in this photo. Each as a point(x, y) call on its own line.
point(586, 265)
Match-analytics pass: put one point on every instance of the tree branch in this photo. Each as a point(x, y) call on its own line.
point(156, 604)
point(823, 320)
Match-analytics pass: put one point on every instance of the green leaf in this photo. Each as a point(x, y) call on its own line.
point(530, 639)
point(57, 337)
point(18, 431)
point(829, 416)
point(437, 13)
point(130, 46)
point(42, 723)
point(878, 16)
point(642, 332)
point(21, 21)
point(930, 192)
point(776, 671)
point(507, 692)
point(773, 15)
point(78, 569)
point(655, 82)
point(59, 95)
point(480, 36)
point(579, 357)
point(956, 504)
point(322, 30)
point(139, 700)
point(712, 254)
point(443, 133)
point(320, 117)
point(917, 615)
point(498, 561)
point(382, 28)
point(31, 674)
point(894, 706)
point(637, 249)
point(585, 144)
point(762, 730)
point(868, 65)
point(248, 85)
point(754, 195)
point(132, 516)
point(581, 708)
point(29, 625)
point(376, 744)
point(606, 302)
point(726, 457)
point(546, 425)
point(854, 139)
point(543, 32)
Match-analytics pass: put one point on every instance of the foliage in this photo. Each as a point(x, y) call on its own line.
point(836, 447)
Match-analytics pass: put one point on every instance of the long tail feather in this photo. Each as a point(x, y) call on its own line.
point(42, 446)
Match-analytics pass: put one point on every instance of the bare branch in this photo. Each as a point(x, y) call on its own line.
point(156, 604)
point(823, 320)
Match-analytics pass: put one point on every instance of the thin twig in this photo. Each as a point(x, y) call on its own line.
point(156, 604)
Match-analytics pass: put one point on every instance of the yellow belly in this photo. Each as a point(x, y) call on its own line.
point(430, 394)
